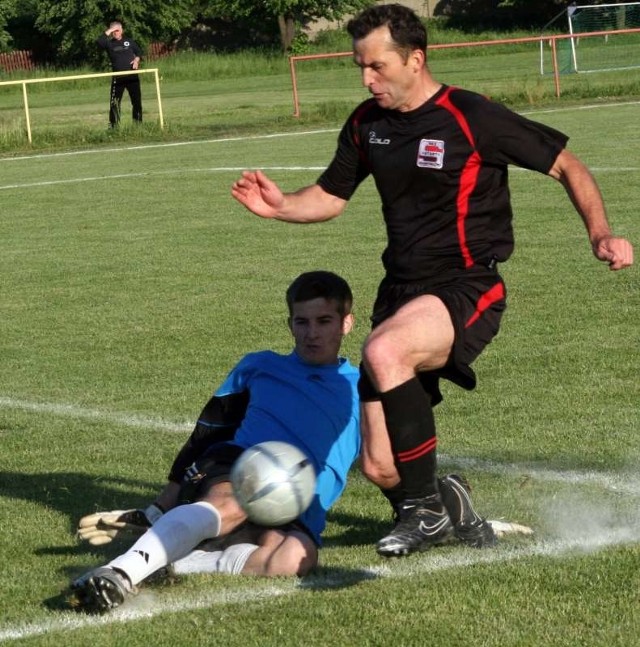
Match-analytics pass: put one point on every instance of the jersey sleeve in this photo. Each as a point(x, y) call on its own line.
point(348, 167)
point(218, 420)
point(505, 137)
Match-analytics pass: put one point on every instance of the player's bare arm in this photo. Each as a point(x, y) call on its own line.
point(587, 199)
point(263, 197)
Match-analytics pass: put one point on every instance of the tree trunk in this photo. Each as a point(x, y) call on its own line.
point(287, 27)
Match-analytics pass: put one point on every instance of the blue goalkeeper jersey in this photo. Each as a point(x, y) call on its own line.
point(314, 407)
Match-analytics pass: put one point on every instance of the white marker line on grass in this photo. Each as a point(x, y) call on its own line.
point(234, 169)
point(74, 411)
point(591, 106)
point(148, 605)
point(221, 140)
point(196, 142)
point(181, 171)
point(141, 607)
point(627, 484)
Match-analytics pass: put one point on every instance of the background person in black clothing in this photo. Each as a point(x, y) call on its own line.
point(125, 55)
point(439, 156)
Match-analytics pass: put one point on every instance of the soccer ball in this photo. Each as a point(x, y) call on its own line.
point(274, 482)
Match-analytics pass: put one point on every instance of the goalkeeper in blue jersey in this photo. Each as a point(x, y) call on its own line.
point(307, 398)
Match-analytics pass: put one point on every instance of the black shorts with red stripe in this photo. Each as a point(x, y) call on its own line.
point(475, 298)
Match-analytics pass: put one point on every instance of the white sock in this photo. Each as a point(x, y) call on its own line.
point(231, 560)
point(173, 536)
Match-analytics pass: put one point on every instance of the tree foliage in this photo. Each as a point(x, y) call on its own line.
point(8, 10)
point(64, 31)
point(289, 15)
point(73, 25)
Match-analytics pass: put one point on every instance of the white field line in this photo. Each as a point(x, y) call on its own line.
point(148, 604)
point(617, 482)
point(180, 171)
point(83, 413)
point(198, 142)
point(627, 484)
point(233, 169)
point(222, 140)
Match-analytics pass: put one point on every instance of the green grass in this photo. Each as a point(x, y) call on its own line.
point(132, 282)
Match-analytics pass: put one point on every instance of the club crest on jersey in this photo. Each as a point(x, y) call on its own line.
point(430, 153)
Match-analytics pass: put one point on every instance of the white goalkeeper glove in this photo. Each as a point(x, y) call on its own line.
point(502, 528)
point(103, 527)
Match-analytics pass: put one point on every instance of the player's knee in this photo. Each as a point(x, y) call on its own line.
point(378, 352)
point(296, 555)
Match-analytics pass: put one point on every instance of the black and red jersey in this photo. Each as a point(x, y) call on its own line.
point(441, 171)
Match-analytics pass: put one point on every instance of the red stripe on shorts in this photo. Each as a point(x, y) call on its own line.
point(496, 293)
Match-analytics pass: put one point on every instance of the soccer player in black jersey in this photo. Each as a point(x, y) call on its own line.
point(125, 55)
point(439, 158)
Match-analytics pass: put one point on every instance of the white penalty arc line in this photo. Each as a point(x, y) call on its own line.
point(147, 605)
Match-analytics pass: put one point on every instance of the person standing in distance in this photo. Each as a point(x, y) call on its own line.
point(125, 55)
point(439, 156)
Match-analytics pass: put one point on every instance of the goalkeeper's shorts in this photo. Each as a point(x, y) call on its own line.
point(214, 467)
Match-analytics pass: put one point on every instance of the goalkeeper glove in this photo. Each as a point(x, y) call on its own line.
point(103, 527)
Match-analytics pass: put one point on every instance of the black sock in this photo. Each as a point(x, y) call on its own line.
point(395, 496)
point(411, 427)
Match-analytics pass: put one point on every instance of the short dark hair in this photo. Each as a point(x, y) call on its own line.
point(321, 284)
point(407, 30)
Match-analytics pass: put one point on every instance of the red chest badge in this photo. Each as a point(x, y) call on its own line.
point(430, 153)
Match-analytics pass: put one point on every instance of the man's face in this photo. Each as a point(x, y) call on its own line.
point(317, 329)
point(393, 82)
point(117, 32)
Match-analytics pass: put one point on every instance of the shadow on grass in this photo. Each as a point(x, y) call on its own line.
point(75, 494)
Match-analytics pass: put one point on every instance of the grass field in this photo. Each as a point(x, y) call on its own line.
point(131, 283)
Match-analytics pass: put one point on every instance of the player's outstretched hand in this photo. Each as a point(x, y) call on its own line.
point(618, 252)
point(258, 193)
point(103, 527)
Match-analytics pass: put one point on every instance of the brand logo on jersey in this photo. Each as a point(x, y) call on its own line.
point(430, 153)
point(127, 43)
point(377, 140)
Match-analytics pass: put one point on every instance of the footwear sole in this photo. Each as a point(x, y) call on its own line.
point(402, 551)
point(97, 595)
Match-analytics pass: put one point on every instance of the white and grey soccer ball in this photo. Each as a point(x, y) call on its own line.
point(274, 482)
